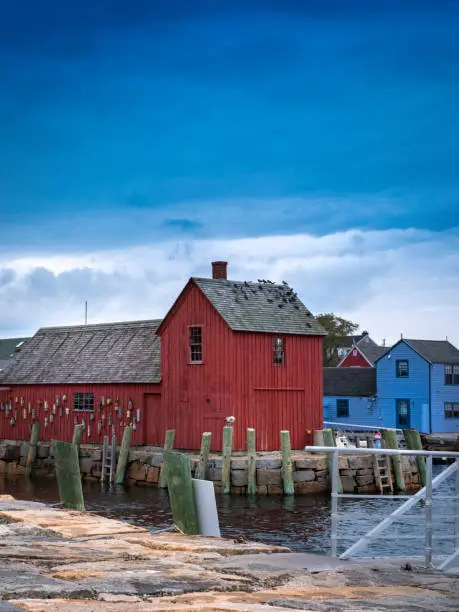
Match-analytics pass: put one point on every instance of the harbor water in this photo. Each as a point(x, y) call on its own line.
point(302, 523)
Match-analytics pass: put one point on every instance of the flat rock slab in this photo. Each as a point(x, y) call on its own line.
point(19, 582)
point(202, 544)
point(280, 564)
point(70, 523)
point(13, 504)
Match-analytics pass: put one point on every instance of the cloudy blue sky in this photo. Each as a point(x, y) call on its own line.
point(314, 141)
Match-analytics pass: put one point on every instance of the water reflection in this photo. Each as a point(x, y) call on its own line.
point(301, 523)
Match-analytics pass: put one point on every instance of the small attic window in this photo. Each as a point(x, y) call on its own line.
point(195, 344)
point(278, 351)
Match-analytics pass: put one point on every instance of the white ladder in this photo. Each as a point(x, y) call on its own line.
point(108, 460)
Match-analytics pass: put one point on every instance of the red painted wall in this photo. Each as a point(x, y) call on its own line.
point(62, 426)
point(273, 397)
point(355, 361)
point(196, 397)
point(237, 378)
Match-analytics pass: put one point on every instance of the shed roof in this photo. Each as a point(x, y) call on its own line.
point(350, 382)
point(259, 307)
point(105, 353)
point(435, 351)
point(373, 352)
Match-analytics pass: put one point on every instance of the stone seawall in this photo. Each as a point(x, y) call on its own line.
point(310, 472)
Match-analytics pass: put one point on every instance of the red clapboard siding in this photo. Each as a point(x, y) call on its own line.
point(237, 378)
point(272, 397)
point(355, 359)
point(196, 397)
point(62, 426)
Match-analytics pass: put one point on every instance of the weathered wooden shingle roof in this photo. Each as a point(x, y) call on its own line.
point(350, 382)
point(259, 307)
point(373, 352)
point(106, 353)
point(435, 351)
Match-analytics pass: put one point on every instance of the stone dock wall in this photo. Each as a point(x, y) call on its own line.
point(310, 472)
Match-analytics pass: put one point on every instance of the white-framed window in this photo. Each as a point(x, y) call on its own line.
point(83, 402)
point(196, 344)
point(451, 410)
point(452, 374)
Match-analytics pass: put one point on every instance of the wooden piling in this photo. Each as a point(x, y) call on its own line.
point(180, 490)
point(251, 462)
point(203, 456)
point(413, 442)
point(68, 474)
point(168, 446)
point(318, 437)
point(124, 453)
point(226, 456)
point(390, 438)
point(329, 440)
point(32, 452)
point(287, 465)
point(78, 430)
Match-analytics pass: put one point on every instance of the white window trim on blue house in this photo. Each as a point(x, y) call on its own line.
point(452, 370)
point(451, 410)
point(402, 368)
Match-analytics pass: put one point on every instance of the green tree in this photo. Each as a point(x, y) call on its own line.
point(337, 329)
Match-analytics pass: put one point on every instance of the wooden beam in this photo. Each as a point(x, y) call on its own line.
point(68, 474)
point(168, 446)
point(180, 490)
point(124, 454)
point(390, 438)
point(251, 462)
point(32, 451)
point(413, 442)
point(287, 465)
point(203, 456)
point(226, 456)
point(329, 440)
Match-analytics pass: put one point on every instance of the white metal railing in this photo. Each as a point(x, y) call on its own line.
point(426, 493)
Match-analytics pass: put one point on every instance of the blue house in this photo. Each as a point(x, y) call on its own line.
point(417, 385)
point(350, 396)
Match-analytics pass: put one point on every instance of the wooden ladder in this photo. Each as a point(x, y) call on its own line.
point(383, 474)
point(108, 460)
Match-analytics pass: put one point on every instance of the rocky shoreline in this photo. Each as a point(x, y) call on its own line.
point(56, 560)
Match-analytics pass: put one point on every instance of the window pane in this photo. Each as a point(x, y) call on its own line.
point(402, 412)
point(402, 368)
point(195, 344)
point(448, 375)
point(342, 408)
point(448, 410)
point(83, 401)
point(195, 335)
point(278, 351)
point(455, 375)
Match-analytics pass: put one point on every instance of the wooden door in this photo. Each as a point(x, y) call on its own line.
point(154, 423)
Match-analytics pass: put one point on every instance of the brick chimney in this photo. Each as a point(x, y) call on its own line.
point(219, 269)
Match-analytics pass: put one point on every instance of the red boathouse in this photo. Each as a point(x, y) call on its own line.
point(226, 348)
